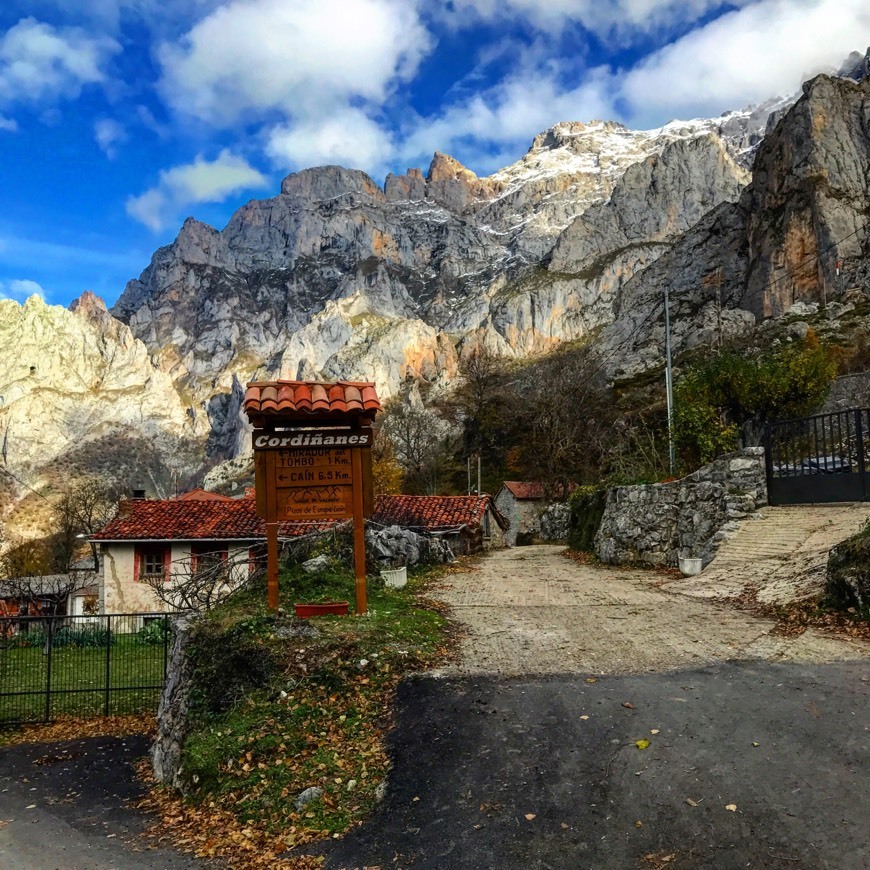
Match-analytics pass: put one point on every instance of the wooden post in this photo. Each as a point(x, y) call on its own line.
point(271, 533)
point(272, 571)
point(359, 533)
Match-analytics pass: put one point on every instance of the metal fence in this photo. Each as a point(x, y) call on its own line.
point(816, 459)
point(81, 666)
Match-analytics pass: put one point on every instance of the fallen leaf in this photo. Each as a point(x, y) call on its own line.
point(530, 816)
point(756, 744)
point(641, 744)
point(564, 826)
point(654, 731)
point(584, 718)
point(591, 680)
point(731, 808)
point(691, 803)
point(628, 705)
point(638, 824)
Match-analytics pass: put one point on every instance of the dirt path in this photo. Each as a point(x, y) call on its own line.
point(530, 610)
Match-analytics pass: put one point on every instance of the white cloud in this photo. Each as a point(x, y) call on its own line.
point(764, 50)
point(20, 289)
point(751, 54)
point(615, 19)
point(200, 181)
point(303, 58)
point(10, 125)
point(42, 64)
point(108, 134)
point(347, 137)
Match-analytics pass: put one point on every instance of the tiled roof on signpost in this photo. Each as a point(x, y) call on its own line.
point(193, 520)
point(434, 513)
point(303, 400)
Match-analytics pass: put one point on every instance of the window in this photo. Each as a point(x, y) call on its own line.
point(205, 558)
point(152, 561)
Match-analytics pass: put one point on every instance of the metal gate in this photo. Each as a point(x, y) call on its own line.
point(813, 460)
point(81, 666)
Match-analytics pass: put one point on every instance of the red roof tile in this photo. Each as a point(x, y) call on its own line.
point(300, 399)
point(203, 495)
point(434, 512)
point(525, 489)
point(192, 520)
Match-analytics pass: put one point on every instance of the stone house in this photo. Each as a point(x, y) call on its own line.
point(521, 503)
point(154, 540)
point(468, 523)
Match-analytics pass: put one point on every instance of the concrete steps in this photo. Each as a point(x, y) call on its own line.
point(781, 553)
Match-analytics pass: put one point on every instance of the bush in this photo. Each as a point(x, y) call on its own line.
point(587, 508)
point(154, 633)
point(714, 399)
point(848, 583)
point(231, 661)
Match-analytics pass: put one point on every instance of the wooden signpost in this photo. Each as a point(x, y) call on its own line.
point(313, 466)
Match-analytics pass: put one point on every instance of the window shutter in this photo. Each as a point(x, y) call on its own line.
point(137, 562)
point(167, 563)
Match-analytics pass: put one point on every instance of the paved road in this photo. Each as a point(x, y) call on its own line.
point(64, 805)
point(475, 756)
point(524, 755)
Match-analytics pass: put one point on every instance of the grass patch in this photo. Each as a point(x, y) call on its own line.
point(279, 708)
point(78, 676)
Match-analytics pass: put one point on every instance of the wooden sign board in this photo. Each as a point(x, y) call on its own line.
point(314, 475)
point(315, 503)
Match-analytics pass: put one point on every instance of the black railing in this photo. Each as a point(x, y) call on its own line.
point(81, 666)
point(819, 459)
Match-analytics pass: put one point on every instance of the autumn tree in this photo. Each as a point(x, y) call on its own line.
point(423, 444)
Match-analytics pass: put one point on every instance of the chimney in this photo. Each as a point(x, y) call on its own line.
point(138, 494)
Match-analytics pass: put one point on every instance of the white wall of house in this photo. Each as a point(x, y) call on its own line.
point(122, 592)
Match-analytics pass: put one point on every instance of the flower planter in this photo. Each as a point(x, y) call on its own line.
point(395, 578)
point(691, 567)
point(331, 608)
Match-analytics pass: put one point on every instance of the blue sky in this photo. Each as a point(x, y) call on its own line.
point(118, 118)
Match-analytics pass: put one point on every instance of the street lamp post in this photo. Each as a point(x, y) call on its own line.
point(669, 382)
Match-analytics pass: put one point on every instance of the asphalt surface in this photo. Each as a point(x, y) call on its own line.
point(65, 805)
point(495, 772)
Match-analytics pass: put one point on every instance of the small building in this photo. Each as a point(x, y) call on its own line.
point(521, 503)
point(469, 523)
point(73, 594)
point(152, 541)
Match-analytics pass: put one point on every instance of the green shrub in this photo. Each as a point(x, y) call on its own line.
point(231, 661)
point(848, 581)
point(587, 507)
point(715, 398)
point(154, 633)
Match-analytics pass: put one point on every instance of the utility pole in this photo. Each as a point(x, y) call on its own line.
point(468, 468)
point(478, 474)
point(669, 382)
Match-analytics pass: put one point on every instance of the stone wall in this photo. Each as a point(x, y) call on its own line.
point(849, 391)
point(172, 715)
point(660, 523)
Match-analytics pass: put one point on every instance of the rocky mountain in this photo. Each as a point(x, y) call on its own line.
point(798, 234)
point(337, 276)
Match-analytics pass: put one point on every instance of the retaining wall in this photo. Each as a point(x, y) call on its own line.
point(660, 523)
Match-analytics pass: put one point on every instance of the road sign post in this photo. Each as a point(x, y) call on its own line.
point(312, 466)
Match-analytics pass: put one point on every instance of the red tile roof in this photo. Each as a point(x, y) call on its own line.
point(434, 512)
point(301, 400)
point(177, 520)
point(524, 489)
point(203, 495)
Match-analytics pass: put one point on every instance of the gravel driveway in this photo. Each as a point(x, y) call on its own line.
point(532, 610)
